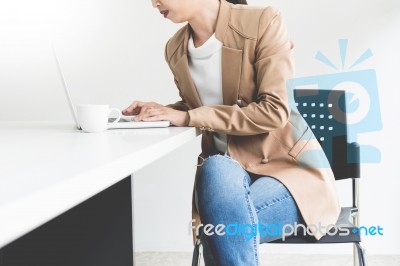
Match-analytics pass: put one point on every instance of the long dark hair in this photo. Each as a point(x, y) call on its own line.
point(241, 2)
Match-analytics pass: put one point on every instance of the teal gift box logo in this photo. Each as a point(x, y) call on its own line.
point(361, 100)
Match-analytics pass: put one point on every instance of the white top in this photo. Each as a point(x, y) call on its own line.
point(205, 68)
point(48, 168)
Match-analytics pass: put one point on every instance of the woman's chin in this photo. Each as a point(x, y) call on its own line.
point(175, 19)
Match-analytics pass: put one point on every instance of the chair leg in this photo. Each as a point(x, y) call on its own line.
point(361, 254)
point(196, 253)
point(355, 256)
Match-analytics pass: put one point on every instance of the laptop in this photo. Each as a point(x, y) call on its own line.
point(124, 122)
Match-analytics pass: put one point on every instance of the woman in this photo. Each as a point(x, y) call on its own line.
point(230, 64)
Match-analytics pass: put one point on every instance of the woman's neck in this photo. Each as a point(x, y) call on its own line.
point(203, 23)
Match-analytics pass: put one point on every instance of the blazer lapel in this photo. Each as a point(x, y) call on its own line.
point(186, 83)
point(182, 73)
point(231, 65)
point(231, 62)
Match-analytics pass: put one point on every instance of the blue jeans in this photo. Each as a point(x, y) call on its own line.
point(239, 202)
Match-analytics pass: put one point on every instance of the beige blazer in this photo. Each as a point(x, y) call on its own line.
point(265, 132)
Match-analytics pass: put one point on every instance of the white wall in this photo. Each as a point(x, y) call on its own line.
point(112, 52)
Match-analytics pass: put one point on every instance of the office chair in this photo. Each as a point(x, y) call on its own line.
point(325, 113)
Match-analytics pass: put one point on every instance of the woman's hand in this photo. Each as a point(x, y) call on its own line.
point(151, 111)
point(136, 107)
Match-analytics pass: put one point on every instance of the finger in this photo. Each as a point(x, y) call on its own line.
point(143, 110)
point(141, 115)
point(130, 108)
point(153, 118)
point(148, 108)
point(135, 107)
point(147, 113)
point(133, 112)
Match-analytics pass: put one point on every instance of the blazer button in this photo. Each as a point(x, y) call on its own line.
point(264, 161)
point(239, 102)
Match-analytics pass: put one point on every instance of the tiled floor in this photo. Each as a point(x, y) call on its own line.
point(184, 259)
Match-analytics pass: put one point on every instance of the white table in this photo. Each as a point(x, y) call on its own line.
point(49, 168)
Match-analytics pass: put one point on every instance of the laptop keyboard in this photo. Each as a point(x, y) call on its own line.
point(110, 120)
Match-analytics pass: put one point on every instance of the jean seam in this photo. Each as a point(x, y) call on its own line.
point(246, 195)
point(218, 155)
point(273, 203)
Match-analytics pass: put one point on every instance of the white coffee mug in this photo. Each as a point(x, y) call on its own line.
point(94, 117)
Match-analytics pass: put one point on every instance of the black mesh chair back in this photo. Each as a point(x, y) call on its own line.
point(325, 113)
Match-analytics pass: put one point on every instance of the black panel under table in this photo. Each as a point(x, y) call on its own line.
point(96, 232)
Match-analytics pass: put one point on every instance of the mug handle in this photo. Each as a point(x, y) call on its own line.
point(119, 115)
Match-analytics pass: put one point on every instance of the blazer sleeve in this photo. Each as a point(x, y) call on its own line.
point(273, 66)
